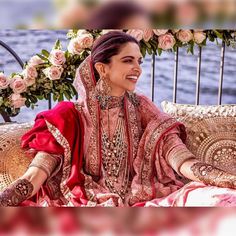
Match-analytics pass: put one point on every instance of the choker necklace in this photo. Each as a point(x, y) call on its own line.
point(110, 102)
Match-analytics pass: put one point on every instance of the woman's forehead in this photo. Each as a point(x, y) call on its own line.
point(130, 49)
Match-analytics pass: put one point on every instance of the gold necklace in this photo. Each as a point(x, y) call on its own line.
point(115, 157)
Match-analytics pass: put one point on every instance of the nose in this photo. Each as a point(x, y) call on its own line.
point(137, 68)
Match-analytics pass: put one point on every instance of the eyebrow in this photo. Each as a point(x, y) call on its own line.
point(131, 57)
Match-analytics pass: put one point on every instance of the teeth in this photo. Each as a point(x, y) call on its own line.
point(132, 77)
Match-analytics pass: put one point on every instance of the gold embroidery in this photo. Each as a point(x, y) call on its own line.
point(145, 175)
point(46, 162)
point(67, 155)
point(93, 155)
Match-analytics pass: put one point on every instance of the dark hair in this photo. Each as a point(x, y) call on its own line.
point(113, 15)
point(109, 45)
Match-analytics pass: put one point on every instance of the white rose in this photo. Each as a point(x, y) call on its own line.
point(184, 36)
point(57, 57)
point(53, 72)
point(199, 36)
point(18, 85)
point(35, 60)
point(166, 41)
point(4, 81)
point(136, 33)
point(159, 32)
point(17, 100)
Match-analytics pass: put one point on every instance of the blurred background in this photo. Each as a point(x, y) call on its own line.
point(61, 14)
point(98, 221)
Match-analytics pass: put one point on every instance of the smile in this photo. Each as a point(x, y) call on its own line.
point(132, 78)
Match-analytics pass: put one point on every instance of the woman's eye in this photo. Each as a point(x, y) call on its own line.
point(128, 61)
point(140, 62)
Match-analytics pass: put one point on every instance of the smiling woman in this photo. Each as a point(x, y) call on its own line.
point(113, 147)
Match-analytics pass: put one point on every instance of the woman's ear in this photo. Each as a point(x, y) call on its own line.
point(100, 68)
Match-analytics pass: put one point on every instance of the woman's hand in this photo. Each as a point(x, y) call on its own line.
point(208, 174)
point(29, 184)
point(23, 188)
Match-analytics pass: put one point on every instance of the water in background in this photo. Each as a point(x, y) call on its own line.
point(29, 42)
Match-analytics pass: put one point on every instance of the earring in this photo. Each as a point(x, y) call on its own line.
point(103, 90)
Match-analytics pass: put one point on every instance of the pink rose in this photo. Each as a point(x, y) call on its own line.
point(35, 60)
point(53, 72)
point(4, 81)
point(17, 100)
point(166, 41)
point(184, 36)
point(74, 46)
point(199, 36)
point(159, 32)
point(86, 40)
point(138, 34)
point(147, 34)
point(18, 85)
point(78, 44)
point(57, 57)
point(30, 73)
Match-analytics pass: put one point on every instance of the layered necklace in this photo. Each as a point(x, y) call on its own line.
point(115, 150)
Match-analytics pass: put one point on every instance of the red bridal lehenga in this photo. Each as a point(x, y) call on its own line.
point(125, 152)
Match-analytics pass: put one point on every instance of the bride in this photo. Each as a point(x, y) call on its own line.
point(113, 147)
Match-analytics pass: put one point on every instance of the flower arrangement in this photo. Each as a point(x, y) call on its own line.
point(52, 73)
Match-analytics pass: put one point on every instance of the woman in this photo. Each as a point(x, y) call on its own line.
point(113, 147)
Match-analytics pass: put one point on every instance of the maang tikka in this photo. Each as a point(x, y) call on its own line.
point(103, 90)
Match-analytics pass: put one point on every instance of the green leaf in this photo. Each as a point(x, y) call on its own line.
point(159, 50)
point(67, 95)
point(45, 53)
point(61, 98)
point(42, 57)
point(57, 44)
point(149, 50)
point(148, 45)
point(218, 34)
point(143, 51)
point(27, 103)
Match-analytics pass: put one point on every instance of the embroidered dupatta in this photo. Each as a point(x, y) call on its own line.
point(146, 126)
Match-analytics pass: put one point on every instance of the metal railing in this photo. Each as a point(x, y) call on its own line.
point(198, 78)
point(175, 76)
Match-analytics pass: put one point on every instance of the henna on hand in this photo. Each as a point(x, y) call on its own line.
point(211, 175)
point(16, 193)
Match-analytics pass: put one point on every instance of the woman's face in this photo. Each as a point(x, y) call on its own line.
point(124, 69)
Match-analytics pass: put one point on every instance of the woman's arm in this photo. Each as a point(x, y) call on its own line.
point(29, 184)
point(186, 164)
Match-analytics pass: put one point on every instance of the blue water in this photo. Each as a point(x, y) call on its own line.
point(29, 42)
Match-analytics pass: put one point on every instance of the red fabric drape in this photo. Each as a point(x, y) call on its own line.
point(68, 121)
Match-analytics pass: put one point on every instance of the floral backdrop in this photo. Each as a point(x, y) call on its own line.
point(52, 73)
